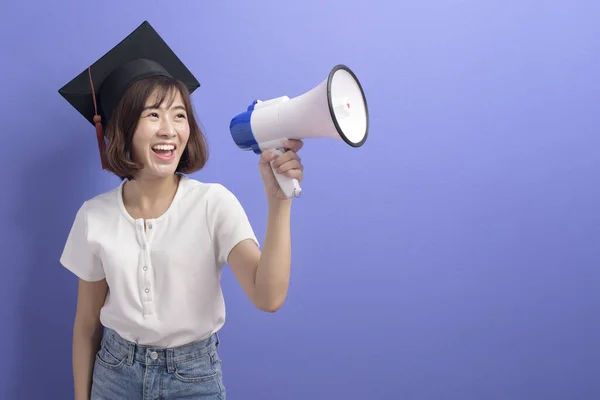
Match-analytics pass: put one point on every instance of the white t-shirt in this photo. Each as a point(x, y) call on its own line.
point(164, 283)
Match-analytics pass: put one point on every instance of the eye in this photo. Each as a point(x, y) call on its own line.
point(151, 114)
point(180, 115)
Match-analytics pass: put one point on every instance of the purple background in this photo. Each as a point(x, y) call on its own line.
point(455, 256)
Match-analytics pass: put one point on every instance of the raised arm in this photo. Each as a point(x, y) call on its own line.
point(265, 275)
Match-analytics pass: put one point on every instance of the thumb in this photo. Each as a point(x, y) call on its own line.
point(267, 156)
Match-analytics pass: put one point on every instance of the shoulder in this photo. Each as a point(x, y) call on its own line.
point(99, 209)
point(102, 204)
point(223, 213)
point(209, 192)
point(213, 200)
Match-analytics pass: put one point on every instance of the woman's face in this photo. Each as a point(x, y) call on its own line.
point(161, 137)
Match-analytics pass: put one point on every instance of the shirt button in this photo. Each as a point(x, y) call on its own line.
point(147, 290)
point(149, 226)
point(145, 268)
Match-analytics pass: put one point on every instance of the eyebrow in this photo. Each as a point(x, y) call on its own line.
point(172, 108)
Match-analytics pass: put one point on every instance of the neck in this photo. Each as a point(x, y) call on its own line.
point(149, 197)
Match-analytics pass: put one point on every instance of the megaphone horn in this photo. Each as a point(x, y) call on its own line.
point(336, 108)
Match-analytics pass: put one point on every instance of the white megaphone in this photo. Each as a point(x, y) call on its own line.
point(336, 108)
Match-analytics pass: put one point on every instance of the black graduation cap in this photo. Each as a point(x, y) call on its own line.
point(96, 91)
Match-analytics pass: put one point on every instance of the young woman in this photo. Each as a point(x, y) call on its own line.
point(149, 254)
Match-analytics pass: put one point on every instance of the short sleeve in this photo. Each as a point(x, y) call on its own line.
point(228, 223)
point(77, 256)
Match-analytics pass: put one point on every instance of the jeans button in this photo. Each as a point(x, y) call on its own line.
point(153, 355)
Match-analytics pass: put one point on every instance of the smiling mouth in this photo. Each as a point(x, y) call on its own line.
point(164, 150)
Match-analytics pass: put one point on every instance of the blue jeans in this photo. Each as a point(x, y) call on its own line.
point(124, 370)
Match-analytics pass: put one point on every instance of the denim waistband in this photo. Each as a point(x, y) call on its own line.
point(149, 355)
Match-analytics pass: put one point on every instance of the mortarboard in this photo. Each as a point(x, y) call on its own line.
point(96, 91)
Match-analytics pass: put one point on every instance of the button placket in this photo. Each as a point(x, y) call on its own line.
point(147, 261)
point(147, 285)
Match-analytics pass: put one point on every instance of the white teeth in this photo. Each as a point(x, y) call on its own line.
point(164, 147)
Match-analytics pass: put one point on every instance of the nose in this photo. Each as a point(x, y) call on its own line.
point(167, 128)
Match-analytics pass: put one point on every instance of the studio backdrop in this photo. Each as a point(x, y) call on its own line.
point(453, 256)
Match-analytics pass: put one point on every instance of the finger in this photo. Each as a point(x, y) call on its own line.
point(295, 174)
point(285, 157)
point(289, 165)
point(267, 156)
point(294, 144)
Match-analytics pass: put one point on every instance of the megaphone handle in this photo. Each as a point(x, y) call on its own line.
point(289, 186)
